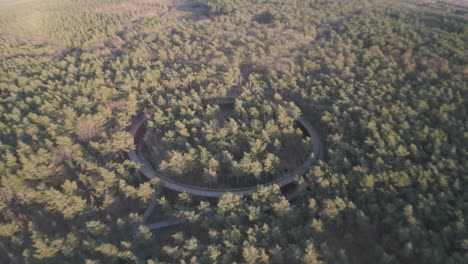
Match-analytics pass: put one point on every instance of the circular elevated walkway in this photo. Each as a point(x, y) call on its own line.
point(148, 171)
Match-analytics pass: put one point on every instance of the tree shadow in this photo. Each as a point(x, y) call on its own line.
point(194, 10)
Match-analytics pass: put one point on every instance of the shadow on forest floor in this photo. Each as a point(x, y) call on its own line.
point(195, 10)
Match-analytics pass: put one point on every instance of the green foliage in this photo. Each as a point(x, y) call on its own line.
point(385, 81)
point(248, 143)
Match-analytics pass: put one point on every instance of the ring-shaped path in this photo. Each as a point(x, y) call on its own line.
point(148, 171)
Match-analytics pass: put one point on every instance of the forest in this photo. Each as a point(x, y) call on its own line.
point(384, 83)
point(252, 143)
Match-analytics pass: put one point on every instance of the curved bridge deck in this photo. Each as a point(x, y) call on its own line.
point(148, 171)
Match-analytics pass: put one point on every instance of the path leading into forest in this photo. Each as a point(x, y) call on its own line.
point(148, 171)
point(179, 221)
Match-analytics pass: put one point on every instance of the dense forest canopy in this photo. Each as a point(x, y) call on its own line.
point(385, 82)
point(248, 141)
